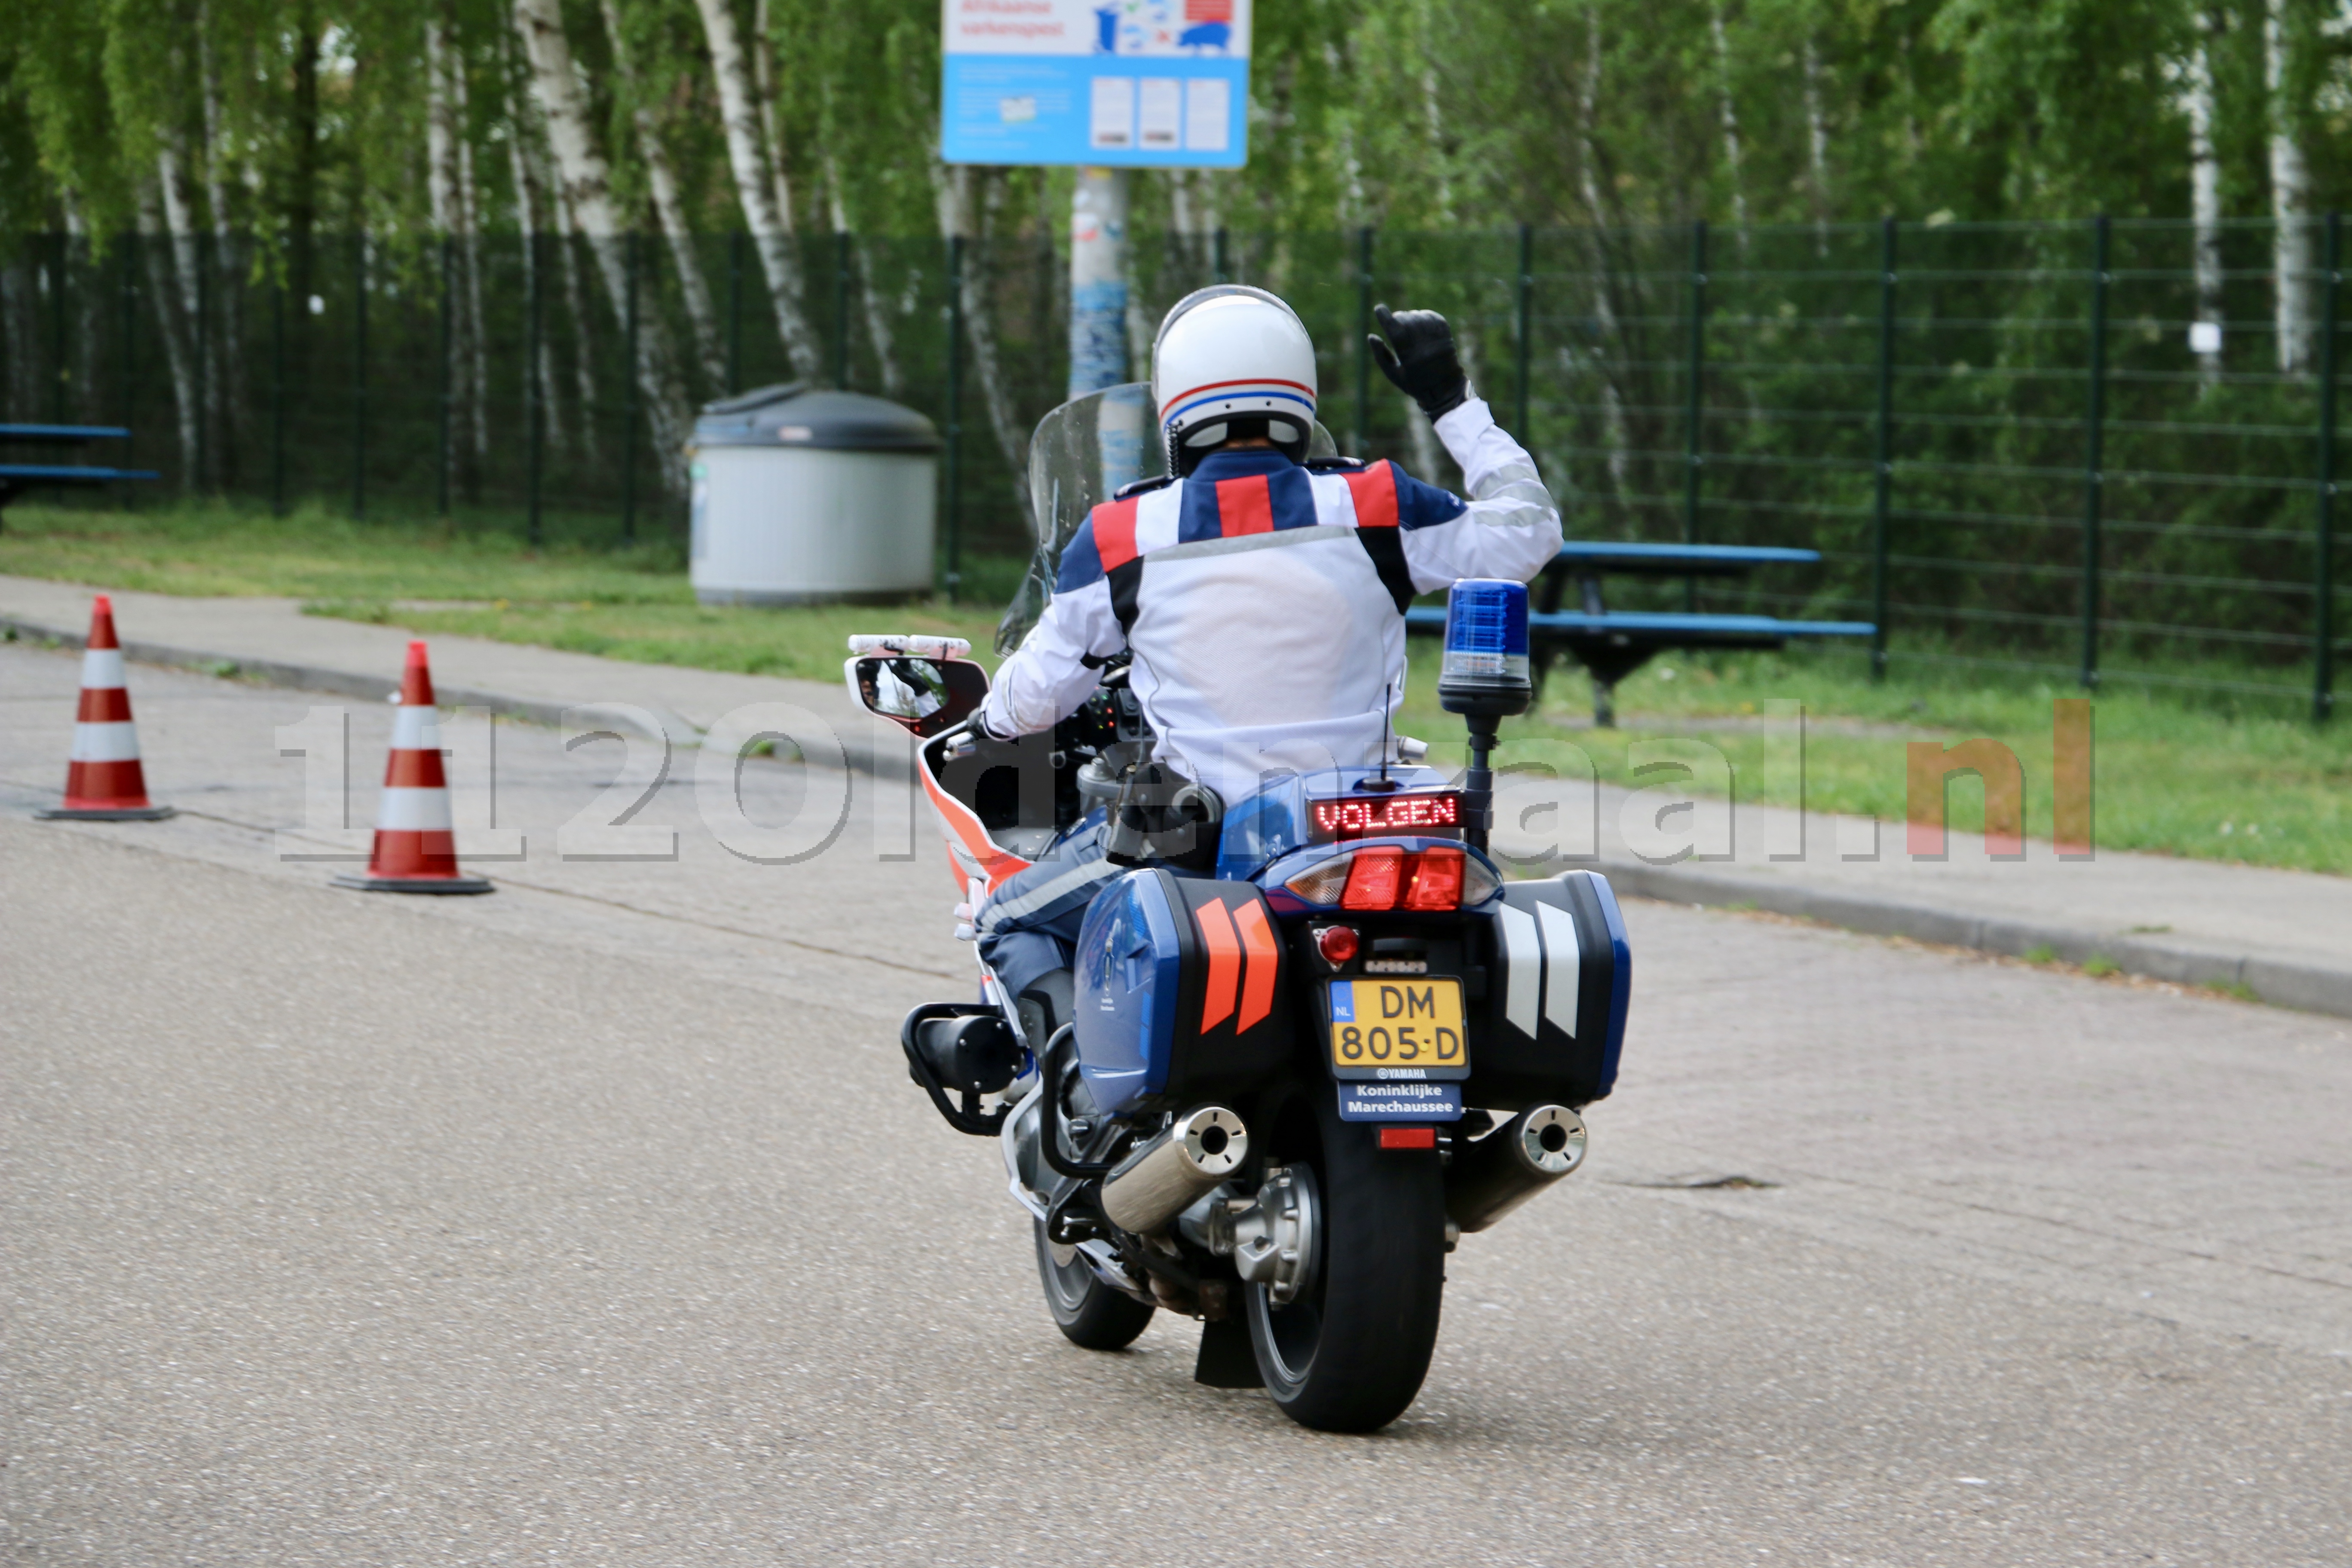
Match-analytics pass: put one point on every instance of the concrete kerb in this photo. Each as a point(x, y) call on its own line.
point(2313, 989)
point(2310, 987)
point(859, 750)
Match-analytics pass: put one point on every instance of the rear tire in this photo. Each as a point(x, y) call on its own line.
point(1090, 1314)
point(1349, 1354)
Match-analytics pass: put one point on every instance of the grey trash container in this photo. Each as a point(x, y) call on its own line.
point(803, 496)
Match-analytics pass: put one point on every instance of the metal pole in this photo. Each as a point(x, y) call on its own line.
point(954, 473)
point(1220, 251)
point(534, 410)
point(629, 402)
point(441, 487)
point(735, 312)
point(57, 324)
point(1694, 453)
point(277, 395)
point(841, 307)
point(359, 374)
point(2095, 451)
point(2323, 638)
point(1525, 345)
point(1358, 442)
point(1883, 458)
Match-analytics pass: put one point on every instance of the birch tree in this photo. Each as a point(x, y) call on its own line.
point(202, 415)
point(2290, 198)
point(469, 221)
point(1817, 146)
point(2204, 190)
point(587, 185)
point(769, 225)
point(229, 370)
point(669, 210)
point(958, 207)
point(1615, 435)
point(540, 365)
point(1729, 114)
point(178, 362)
point(442, 136)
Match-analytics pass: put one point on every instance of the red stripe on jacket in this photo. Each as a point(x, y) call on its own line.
point(1244, 506)
point(1373, 488)
point(1115, 532)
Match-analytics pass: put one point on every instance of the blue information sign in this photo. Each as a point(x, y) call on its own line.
point(1113, 83)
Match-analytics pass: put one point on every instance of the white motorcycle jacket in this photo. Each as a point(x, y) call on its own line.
point(1264, 603)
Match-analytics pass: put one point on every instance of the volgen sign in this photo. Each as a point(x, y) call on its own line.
point(1114, 83)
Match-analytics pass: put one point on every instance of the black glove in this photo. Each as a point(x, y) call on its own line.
point(996, 749)
point(1422, 361)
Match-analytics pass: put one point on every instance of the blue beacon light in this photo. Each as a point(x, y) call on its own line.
point(1484, 673)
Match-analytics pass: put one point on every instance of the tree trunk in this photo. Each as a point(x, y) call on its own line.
point(770, 225)
point(2204, 197)
point(441, 193)
point(771, 141)
point(2290, 201)
point(876, 309)
point(527, 202)
point(228, 273)
point(440, 132)
point(587, 185)
point(184, 398)
point(1817, 148)
point(1614, 433)
point(469, 229)
point(669, 212)
point(1730, 118)
point(583, 332)
point(86, 308)
point(956, 209)
point(20, 329)
point(185, 261)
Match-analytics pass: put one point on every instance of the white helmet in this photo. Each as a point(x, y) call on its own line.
point(1232, 360)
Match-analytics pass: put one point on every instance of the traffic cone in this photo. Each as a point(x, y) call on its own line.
point(103, 779)
point(415, 842)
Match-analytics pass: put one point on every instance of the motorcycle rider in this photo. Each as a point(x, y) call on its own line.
point(1263, 602)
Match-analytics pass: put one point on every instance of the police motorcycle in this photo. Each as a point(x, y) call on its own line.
point(1312, 1038)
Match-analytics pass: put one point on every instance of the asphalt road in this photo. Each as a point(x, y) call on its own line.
point(595, 1222)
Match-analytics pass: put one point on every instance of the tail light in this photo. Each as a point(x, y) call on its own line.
point(1436, 880)
point(1374, 880)
point(1387, 876)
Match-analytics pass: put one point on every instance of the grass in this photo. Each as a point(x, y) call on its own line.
point(2210, 777)
point(632, 603)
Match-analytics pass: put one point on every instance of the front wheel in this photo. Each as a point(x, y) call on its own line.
point(1090, 1313)
point(1349, 1353)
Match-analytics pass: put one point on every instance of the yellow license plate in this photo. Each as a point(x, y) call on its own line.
point(1379, 1026)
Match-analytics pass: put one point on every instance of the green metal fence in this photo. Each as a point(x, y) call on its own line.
point(2001, 437)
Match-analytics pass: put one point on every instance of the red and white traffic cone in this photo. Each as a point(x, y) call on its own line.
point(103, 780)
point(415, 841)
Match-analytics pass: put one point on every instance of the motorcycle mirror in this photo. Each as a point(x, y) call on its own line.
point(925, 696)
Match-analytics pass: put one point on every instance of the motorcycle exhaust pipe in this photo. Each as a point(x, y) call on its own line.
point(1490, 1178)
point(1160, 1180)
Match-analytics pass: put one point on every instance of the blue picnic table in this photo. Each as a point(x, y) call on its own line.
point(1614, 644)
point(15, 478)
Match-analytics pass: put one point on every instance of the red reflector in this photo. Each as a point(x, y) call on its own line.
point(1408, 1137)
point(1375, 880)
point(1436, 880)
point(1337, 943)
